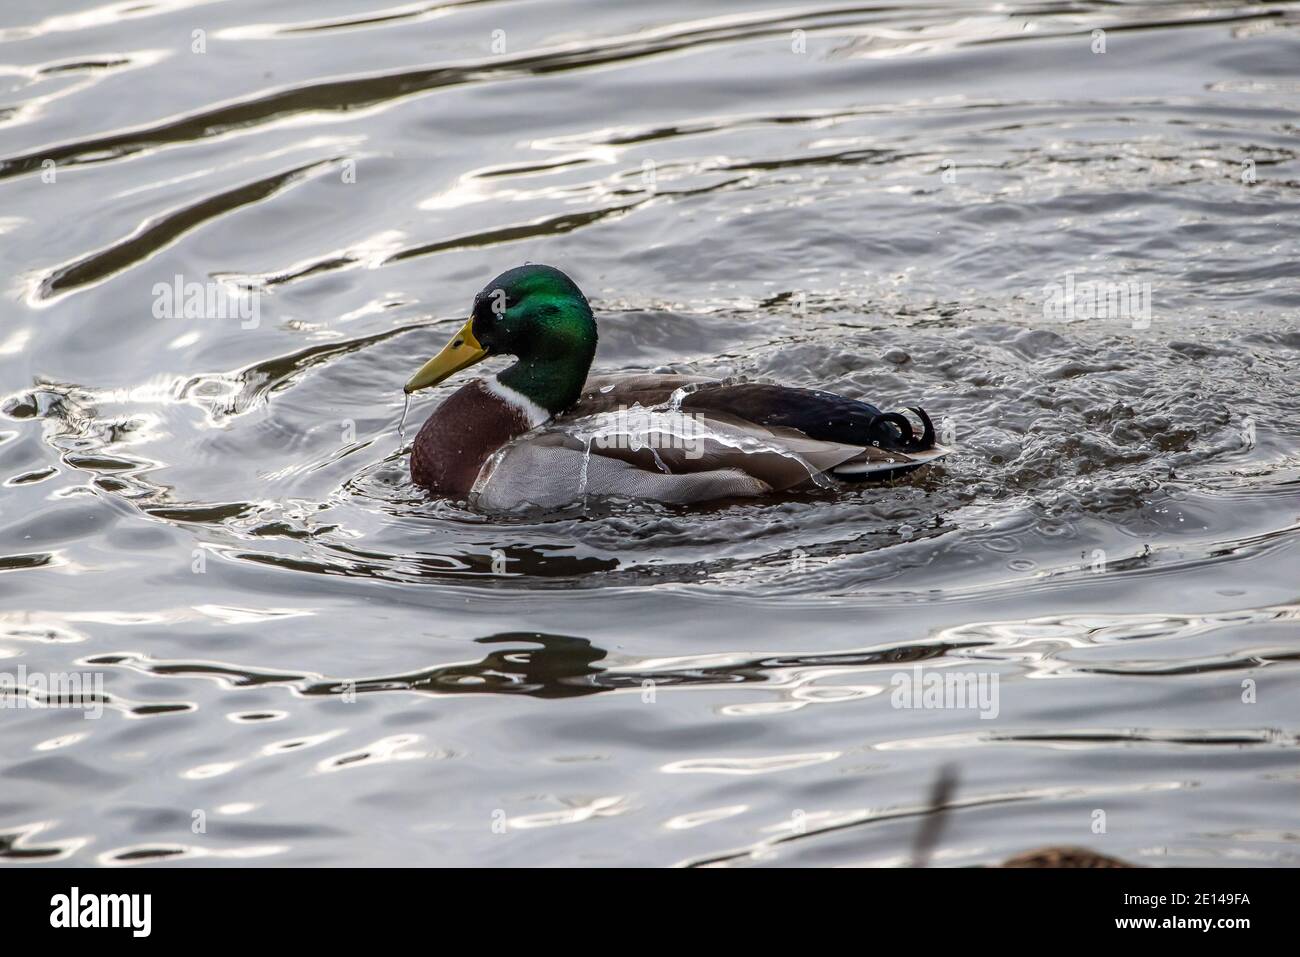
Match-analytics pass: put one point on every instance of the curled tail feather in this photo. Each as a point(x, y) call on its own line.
point(908, 440)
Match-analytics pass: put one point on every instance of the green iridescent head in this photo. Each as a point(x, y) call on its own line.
point(536, 314)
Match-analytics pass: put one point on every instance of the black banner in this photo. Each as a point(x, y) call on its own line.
point(181, 905)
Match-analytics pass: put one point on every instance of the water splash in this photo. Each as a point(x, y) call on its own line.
point(652, 429)
point(401, 423)
point(586, 464)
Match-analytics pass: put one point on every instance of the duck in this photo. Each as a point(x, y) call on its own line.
point(546, 433)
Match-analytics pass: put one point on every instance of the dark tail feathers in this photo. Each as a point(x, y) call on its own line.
point(908, 440)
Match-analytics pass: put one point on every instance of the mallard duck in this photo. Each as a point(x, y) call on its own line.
point(543, 433)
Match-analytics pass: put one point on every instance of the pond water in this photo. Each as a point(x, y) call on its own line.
point(297, 658)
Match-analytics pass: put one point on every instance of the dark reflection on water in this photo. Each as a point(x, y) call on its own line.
point(560, 667)
point(211, 512)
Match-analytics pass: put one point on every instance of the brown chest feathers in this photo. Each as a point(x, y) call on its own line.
point(460, 436)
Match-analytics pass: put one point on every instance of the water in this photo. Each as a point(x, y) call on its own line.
point(304, 661)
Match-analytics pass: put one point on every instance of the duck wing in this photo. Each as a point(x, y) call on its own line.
point(606, 393)
point(659, 454)
point(534, 472)
point(637, 436)
point(816, 414)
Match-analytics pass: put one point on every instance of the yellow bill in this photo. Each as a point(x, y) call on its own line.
point(460, 353)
